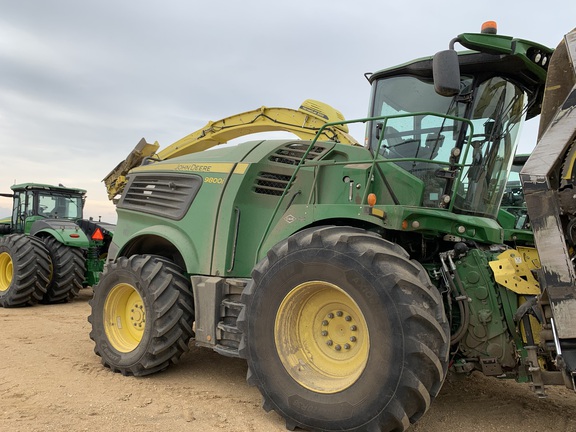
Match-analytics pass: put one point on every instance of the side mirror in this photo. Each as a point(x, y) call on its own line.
point(446, 73)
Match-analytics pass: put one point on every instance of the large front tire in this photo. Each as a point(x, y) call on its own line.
point(68, 270)
point(343, 332)
point(142, 315)
point(24, 270)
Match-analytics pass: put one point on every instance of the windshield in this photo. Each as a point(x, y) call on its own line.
point(498, 113)
point(59, 206)
point(421, 139)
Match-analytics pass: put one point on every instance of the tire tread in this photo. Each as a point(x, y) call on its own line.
point(172, 313)
point(31, 274)
point(68, 271)
point(421, 309)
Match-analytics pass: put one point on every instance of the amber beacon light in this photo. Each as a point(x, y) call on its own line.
point(489, 27)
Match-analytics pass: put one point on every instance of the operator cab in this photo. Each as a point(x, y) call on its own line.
point(460, 146)
point(34, 202)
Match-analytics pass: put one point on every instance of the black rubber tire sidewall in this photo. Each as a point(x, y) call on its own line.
point(381, 318)
point(110, 355)
point(31, 270)
point(73, 272)
point(167, 297)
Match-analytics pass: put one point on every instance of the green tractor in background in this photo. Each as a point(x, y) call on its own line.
point(48, 252)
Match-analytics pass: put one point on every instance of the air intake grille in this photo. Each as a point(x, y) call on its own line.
point(293, 152)
point(166, 195)
point(271, 184)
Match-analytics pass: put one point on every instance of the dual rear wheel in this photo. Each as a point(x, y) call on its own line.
point(38, 270)
point(25, 270)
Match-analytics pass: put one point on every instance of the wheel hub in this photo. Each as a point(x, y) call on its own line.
point(321, 337)
point(124, 317)
point(137, 315)
point(6, 271)
point(340, 332)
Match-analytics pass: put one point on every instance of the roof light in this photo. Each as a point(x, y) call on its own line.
point(538, 57)
point(489, 27)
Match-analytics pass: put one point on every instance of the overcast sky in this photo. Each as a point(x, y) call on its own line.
point(82, 81)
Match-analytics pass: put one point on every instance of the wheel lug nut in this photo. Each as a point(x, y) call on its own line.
point(324, 323)
point(339, 313)
point(329, 343)
point(353, 328)
point(348, 318)
point(330, 315)
point(347, 346)
point(353, 339)
point(324, 333)
point(337, 347)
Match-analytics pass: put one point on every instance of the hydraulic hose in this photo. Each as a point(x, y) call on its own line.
point(461, 298)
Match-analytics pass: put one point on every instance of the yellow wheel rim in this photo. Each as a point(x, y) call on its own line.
point(124, 317)
point(6, 271)
point(321, 337)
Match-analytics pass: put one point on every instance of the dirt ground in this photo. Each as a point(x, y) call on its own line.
point(51, 380)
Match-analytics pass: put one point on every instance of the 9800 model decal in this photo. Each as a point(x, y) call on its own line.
point(214, 180)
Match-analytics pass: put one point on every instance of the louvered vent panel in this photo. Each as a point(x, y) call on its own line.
point(292, 153)
point(271, 183)
point(166, 195)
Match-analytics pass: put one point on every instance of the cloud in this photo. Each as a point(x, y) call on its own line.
point(82, 82)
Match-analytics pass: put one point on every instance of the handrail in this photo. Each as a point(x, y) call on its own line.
point(374, 161)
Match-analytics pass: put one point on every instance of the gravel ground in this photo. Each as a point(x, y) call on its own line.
point(51, 380)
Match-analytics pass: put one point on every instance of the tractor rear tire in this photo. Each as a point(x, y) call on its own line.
point(68, 270)
point(142, 315)
point(343, 332)
point(24, 270)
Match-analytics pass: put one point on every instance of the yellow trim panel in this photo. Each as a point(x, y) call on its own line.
point(206, 168)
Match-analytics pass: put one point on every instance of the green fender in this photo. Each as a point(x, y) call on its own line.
point(178, 238)
point(301, 216)
point(66, 232)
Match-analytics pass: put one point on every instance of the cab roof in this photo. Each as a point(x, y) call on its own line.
point(46, 187)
